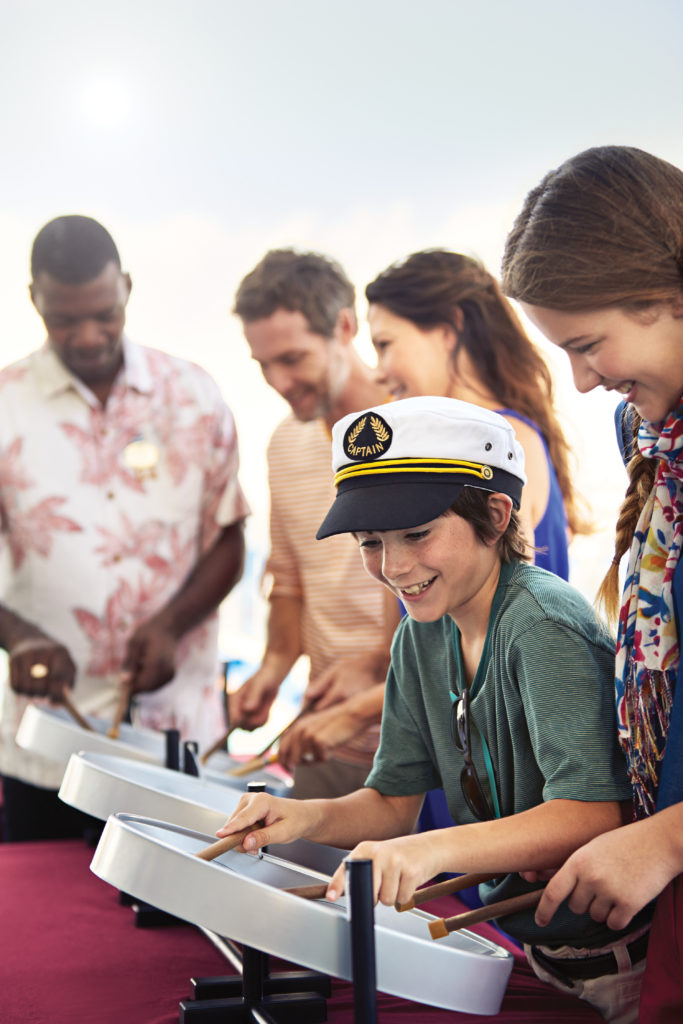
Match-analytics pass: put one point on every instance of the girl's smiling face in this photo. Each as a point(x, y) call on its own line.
point(638, 355)
point(437, 569)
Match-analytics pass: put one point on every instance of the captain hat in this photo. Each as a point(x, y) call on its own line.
point(404, 463)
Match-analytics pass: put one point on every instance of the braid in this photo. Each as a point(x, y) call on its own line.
point(641, 472)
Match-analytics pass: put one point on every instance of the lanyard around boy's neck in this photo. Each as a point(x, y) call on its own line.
point(478, 679)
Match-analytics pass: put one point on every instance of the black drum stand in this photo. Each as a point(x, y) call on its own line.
point(291, 997)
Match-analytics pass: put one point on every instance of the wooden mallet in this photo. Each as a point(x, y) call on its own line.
point(75, 713)
point(125, 679)
point(228, 843)
point(451, 885)
point(260, 760)
point(220, 744)
point(441, 928)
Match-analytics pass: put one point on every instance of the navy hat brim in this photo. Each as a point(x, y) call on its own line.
point(387, 506)
point(378, 501)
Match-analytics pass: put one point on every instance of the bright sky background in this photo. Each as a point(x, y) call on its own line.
point(203, 133)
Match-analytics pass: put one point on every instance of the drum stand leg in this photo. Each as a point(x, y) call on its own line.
point(264, 998)
point(285, 997)
point(361, 903)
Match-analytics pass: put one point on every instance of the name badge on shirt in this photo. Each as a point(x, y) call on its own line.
point(141, 457)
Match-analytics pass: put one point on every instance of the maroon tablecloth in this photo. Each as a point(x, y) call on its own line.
point(72, 955)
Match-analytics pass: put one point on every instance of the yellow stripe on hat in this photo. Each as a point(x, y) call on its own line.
point(359, 469)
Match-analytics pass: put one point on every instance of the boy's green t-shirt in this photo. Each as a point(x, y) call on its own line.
point(543, 701)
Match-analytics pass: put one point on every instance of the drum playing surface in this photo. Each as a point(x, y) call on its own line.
point(53, 733)
point(100, 785)
point(239, 896)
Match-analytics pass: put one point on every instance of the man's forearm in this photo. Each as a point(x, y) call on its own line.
point(283, 643)
point(13, 628)
point(213, 577)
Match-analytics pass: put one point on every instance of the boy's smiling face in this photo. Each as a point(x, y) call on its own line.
point(435, 569)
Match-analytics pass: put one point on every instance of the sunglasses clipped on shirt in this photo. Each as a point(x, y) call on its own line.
point(471, 786)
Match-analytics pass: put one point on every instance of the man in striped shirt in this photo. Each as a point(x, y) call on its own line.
point(297, 311)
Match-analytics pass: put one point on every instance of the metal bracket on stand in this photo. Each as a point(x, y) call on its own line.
point(291, 997)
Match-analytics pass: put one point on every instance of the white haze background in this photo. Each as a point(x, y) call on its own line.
point(203, 133)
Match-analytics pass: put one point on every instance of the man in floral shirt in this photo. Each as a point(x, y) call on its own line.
point(121, 520)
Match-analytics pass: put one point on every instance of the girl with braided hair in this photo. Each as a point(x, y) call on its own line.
point(596, 260)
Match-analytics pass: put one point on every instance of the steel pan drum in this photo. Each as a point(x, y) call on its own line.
point(238, 896)
point(221, 762)
point(53, 733)
point(100, 785)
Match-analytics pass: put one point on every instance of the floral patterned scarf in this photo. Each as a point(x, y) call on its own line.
point(647, 638)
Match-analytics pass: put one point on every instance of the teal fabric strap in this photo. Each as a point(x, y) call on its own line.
point(505, 573)
point(489, 772)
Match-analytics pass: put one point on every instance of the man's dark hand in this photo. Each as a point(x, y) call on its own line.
point(40, 667)
point(151, 656)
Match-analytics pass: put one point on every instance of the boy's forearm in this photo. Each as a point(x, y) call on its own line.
point(540, 838)
point(364, 814)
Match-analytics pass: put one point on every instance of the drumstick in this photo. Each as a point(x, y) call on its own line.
point(228, 843)
point(439, 929)
point(304, 710)
point(260, 760)
point(218, 745)
point(122, 706)
point(309, 892)
point(75, 713)
point(253, 766)
point(451, 885)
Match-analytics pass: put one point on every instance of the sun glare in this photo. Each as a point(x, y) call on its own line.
point(107, 102)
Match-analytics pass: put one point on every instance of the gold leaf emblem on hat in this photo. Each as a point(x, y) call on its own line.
point(353, 434)
point(381, 433)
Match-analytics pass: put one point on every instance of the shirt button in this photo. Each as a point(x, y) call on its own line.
point(111, 495)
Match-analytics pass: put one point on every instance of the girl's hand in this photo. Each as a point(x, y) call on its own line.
point(399, 866)
point(616, 874)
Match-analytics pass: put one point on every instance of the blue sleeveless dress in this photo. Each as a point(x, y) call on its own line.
point(550, 536)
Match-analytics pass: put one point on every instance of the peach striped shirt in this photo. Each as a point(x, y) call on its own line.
point(342, 606)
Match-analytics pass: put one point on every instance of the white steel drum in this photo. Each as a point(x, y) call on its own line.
point(52, 732)
point(101, 785)
point(238, 896)
point(221, 763)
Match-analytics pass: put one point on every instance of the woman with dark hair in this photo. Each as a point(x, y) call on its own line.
point(441, 326)
point(596, 259)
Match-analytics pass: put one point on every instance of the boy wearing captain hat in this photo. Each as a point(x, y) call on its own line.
point(499, 690)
